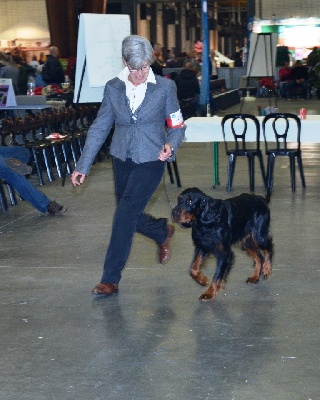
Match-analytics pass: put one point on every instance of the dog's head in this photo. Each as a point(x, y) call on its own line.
point(191, 203)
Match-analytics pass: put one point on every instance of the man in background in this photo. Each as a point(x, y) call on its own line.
point(299, 80)
point(52, 71)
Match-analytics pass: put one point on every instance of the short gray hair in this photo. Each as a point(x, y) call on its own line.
point(136, 51)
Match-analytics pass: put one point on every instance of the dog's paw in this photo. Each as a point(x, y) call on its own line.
point(211, 292)
point(266, 272)
point(253, 279)
point(207, 297)
point(201, 279)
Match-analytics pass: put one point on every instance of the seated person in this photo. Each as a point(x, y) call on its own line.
point(171, 62)
point(299, 80)
point(285, 78)
point(195, 60)
point(13, 167)
point(188, 88)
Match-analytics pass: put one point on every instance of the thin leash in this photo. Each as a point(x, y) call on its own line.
point(165, 187)
point(164, 179)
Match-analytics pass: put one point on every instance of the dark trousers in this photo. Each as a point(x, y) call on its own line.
point(135, 185)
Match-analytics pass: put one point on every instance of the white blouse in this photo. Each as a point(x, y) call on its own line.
point(135, 94)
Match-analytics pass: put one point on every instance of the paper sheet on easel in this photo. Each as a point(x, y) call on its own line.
point(99, 47)
point(262, 55)
point(7, 96)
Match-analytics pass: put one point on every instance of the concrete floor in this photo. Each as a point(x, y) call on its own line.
point(155, 340)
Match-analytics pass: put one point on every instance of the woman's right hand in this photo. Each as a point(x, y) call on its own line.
point(77, 178)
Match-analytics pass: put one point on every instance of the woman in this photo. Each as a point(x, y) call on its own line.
point(139, 103)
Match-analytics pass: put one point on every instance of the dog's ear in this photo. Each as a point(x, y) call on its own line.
point(204, 204)
point(208, 211)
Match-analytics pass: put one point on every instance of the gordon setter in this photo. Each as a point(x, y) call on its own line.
point(219, 224)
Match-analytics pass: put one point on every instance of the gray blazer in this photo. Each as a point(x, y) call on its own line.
point(145, 135)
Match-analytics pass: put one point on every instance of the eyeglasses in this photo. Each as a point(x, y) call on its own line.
point(144, 68)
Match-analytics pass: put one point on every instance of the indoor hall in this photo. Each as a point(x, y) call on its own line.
point(154, 339)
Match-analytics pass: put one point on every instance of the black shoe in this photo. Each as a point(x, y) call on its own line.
point(18, 166)
point(56, 209)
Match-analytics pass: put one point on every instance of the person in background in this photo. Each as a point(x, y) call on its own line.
point(138, 103)
point(285, 78)
point(188, 86)
point(13, 168)
point(181, 59)
point(238, 61)
point(34, 63)
point(195, 59)
point(213, 63)
point(171, 62)
point(3, 59)
point(299, 80)
point(9, 70)
point(188, 90)
point(314, 57)
point(42, 58)
point(158, 63)
point(71, 68)
point(198, 47)
point(52, 71)
point(24, 71)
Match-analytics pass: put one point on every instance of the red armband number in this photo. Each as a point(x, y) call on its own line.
point(175, 120)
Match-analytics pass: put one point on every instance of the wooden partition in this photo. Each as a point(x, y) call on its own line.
point(63, 21)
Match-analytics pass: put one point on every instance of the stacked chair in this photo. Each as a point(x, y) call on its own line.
point(55, 139)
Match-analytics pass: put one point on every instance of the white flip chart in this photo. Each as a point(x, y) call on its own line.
point(99, 53)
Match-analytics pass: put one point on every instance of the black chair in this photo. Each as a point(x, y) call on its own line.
point(237, 125)
point(280, 123)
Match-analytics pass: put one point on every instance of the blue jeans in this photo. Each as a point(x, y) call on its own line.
point(26, 190)
point(135, 185)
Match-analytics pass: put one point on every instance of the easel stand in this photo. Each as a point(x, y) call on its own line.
point(261, 60)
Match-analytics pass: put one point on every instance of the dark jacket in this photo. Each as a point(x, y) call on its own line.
point(187, 84)
point(52, 71)
point(300, 72)
point(156, 68)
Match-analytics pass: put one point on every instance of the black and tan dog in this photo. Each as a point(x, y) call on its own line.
point(219, 224)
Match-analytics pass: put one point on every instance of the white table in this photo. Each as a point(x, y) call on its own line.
point(26, 107)
point(208, 129)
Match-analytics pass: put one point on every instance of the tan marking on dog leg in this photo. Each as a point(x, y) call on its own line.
point(266, 267)
point(211, 292)
point(254, 278)
point(195, 272)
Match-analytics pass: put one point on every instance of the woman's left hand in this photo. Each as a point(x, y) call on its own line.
point(165, 152)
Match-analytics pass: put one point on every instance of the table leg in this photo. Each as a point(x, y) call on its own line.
point(215, 155)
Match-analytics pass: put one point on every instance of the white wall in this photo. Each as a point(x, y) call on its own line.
point(287, 9)
point(14, 11)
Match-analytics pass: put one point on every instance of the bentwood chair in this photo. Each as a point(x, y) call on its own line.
point(281, 125)
point(236, 129)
